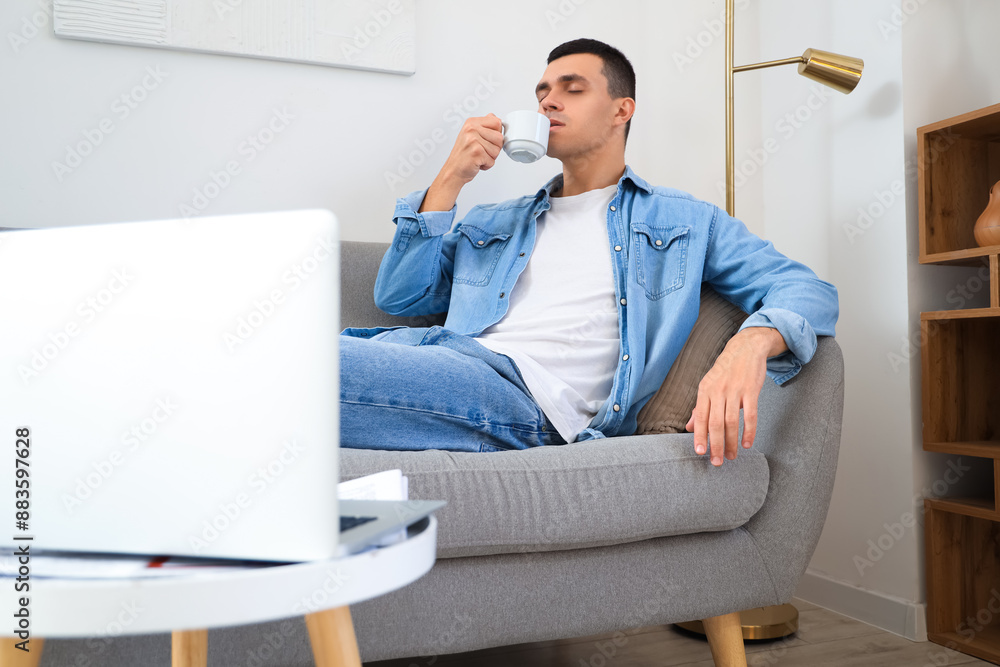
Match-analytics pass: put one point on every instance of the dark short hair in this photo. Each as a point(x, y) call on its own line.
point(617, 69)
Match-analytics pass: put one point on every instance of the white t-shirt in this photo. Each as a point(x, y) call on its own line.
point(561, 326)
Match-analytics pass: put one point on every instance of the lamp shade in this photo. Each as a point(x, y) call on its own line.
point(832, 69)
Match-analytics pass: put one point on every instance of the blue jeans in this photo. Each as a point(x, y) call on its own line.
point(415, 388)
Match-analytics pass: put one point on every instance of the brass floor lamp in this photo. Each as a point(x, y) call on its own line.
point(840, 73)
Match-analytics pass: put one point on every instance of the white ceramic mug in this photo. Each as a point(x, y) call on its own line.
point(525, 135)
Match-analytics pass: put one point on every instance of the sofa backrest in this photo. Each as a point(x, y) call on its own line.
point(359, 265)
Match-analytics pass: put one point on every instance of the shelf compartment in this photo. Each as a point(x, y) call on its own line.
point(958, 163)
point(963, 582)
point(961, 382)
point(985, 644)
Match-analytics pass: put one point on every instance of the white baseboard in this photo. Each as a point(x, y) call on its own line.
point(902, 617)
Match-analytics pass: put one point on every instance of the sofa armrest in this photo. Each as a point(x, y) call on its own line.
point(798, 431)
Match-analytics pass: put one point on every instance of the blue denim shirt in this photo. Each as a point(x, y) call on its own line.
point(664, 243)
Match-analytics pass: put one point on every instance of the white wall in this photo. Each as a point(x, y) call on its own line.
point(348, 129)
point(851, 213)
point(838, 155)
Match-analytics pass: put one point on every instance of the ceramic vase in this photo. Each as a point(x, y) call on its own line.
point(987, 229)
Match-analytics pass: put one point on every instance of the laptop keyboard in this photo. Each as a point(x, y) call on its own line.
point(348, 522)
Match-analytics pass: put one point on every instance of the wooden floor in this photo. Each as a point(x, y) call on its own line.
point(824, 639)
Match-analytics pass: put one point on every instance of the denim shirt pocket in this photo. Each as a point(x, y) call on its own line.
point(477, 254)
point(660, 257)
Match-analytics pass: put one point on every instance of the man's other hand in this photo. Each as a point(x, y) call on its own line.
point(734, 382)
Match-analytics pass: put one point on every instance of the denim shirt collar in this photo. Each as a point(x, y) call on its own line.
point(556, 182)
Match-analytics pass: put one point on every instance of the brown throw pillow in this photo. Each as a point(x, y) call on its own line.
point(670, 407)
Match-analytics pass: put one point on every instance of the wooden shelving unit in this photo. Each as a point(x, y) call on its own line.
point(959, 162)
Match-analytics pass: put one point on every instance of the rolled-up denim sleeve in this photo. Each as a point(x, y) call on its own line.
point(778, 292)
point(415, 275)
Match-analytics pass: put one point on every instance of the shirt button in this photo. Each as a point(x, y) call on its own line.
point(480, 242)
point(623, 302)
point(521, 255)
point(501, 294)
point(658, 242)
point(625, 358)
point(612, 208)
point(617, 407)
point(618, 247)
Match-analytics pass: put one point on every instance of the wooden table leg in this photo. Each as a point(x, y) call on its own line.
point(725, 638)
point(189, 648)
point(331, 634)
point(15, 657)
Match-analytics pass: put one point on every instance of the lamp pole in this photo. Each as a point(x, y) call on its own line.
point(839, 72)
point(730, 175)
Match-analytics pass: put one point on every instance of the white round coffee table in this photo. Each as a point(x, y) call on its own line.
point(188, 605)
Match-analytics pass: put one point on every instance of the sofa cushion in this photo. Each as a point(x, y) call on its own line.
point(583, 494)
point(669, 410)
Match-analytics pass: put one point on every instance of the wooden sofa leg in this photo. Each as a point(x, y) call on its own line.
point(725, 638)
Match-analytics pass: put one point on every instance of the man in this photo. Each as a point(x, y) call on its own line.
point(567, 308)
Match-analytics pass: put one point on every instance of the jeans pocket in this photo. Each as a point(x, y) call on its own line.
point(477, 254)
point(660, 257)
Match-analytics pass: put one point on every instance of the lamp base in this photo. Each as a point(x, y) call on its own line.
point(771, 622)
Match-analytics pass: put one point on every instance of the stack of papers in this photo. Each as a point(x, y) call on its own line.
point(386, 485)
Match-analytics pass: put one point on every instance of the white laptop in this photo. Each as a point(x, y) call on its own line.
point(179, 383)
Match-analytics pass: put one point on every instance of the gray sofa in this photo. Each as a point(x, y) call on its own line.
point(573, 540)
point(602, 535)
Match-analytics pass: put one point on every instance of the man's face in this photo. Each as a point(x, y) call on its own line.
point(573, 93)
